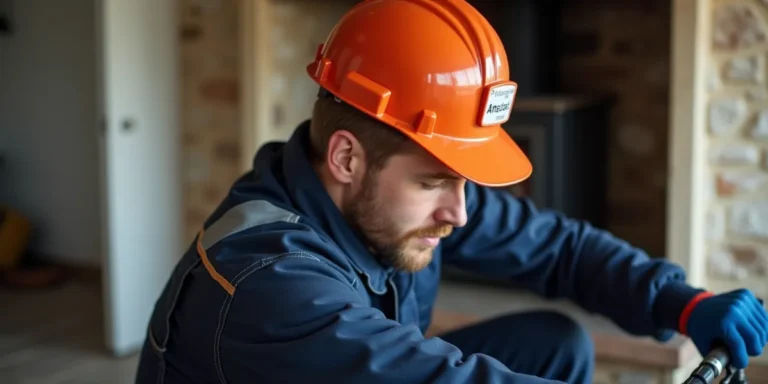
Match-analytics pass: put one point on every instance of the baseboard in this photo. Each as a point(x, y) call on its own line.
point(81, 273)
point(608, 347)
point(648, 352)
point(78, 272)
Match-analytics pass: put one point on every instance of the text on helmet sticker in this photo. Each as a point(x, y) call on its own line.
point(498, 104)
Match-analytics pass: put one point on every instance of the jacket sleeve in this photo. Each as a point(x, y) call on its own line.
point(558, 257)
point(299, 320)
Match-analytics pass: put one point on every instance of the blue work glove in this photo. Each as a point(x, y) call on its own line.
point(736, 319)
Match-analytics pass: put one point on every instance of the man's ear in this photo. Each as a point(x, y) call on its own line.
point(345, 157)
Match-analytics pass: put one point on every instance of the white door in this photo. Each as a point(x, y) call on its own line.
point(142, 186)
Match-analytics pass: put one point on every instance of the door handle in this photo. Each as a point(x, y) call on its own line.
point(128, 125)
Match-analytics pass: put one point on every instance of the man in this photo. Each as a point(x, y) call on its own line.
point(323, 262)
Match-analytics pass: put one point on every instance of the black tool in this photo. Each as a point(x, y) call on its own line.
point(713, 365)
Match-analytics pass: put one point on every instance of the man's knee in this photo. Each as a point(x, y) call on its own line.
point(542, 343)
point(565, 345)
point(549, 329)
point(571, 336)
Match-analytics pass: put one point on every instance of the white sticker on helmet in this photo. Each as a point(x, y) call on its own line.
point(498, 104)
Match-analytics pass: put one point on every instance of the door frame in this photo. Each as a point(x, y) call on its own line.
point(255, 59)
point(686, 205)
point(686, 177)
point(118, 342)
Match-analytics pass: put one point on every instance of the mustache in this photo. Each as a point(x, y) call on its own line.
point(436, 231)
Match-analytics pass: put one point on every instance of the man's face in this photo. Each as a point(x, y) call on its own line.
point(405, 208)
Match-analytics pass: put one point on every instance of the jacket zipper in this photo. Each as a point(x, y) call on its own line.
point(396, 299)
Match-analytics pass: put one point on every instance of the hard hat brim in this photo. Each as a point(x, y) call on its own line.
point(494, 162)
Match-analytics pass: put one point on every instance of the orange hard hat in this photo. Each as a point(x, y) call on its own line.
point(436, 71)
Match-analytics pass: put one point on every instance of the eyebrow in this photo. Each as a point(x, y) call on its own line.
point(438, 175)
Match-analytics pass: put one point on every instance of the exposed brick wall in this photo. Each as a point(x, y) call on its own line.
point(210, 54)
point(299, 26)
point(623, 48)
point(209, 50)
point(737, 220)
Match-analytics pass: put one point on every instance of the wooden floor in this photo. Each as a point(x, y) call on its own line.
point(55, 337)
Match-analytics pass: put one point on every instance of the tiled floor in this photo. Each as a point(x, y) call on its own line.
point(55, 337)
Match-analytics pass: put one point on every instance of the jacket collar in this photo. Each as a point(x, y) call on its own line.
point(310, 197)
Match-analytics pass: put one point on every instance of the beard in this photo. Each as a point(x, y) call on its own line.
point(382, 234)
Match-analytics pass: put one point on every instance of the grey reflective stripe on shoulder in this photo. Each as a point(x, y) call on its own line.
point(244, 216)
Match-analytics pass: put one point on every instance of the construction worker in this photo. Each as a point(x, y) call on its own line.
point(323, 262)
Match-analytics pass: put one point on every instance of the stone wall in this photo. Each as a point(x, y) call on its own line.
point(622, 48)
point(737, 221)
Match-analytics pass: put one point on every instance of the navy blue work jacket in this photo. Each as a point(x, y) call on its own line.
point(276, 288)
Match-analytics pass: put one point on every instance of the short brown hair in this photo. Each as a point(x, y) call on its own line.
point(378, 140)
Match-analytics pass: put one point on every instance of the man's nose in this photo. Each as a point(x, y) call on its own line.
point(453, 209)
